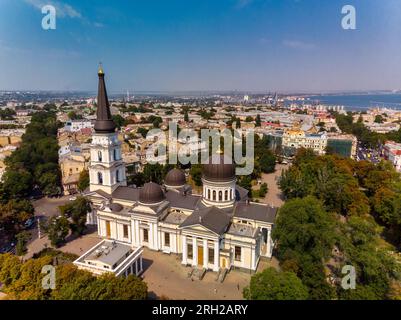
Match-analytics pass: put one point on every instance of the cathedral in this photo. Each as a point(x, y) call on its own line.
point(217, 230)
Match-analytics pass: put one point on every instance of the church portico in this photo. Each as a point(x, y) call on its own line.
point(201, 252)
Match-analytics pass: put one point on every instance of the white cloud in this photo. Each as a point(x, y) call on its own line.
point(296, 44)
point(98, 24)
point(242, 3)
point(264, 40)
point(63, 10)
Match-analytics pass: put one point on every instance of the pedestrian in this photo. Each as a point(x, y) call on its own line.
point(215, 291)
point(238, 286)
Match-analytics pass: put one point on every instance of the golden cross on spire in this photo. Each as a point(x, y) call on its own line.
point(100, 70)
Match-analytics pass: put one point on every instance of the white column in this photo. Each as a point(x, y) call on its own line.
point(268, 243)
point(158, 238)
point(136, 267)
point(140, 264)
point(216, 266)
point(133, 233)
point(194, 252)
point(184, 250)
point(205, 253)
point(151, 236)
point(253, 255)
point(137, 233)
point(99, 227)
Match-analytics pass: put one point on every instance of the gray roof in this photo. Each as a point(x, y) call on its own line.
point(212, 218)
point(255, 211)
point(175, 218)
point(242, 230)
point(126, 193)
point(109, 252)
point(241, 193)
point(100, 192)
point(179, 200)
point(116, 207)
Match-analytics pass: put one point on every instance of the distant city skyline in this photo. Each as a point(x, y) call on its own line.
point(295, 46)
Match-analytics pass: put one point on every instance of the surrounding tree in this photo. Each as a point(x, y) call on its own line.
point(305, 236)
point(271, 284)
point(156, 172)
point(57, 229)
point(72, 115)
point(34, 165)
point(142, 131)
point(379, 119)
point(263, 190)
point(267, 162)
point(13, 215)
point(23, 281)
point(77, 210)
point(119, 121)
point(83, 181)
point(356, 195)
point(196, 174)
point(22, 239)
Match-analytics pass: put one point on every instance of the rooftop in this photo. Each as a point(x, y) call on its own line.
point(243, 230)
point(107, 252)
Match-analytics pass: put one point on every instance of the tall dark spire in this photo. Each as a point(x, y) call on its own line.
point(104, 122)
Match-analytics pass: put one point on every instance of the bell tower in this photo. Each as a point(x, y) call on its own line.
point(107, 169)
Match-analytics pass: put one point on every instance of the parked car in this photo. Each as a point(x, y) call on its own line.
point(8, 248)
point(72, 198)
point(29, 223)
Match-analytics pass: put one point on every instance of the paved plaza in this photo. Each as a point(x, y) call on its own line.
point(274, 196)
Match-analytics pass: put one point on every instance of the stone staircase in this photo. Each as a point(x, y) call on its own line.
point(221, 275)
point(197, 273)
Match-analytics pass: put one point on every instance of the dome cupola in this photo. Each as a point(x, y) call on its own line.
point(219, 168)
point(175, 178)
point(151, 193)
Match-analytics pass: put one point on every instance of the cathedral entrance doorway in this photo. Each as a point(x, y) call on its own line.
point(108, 230)
point(200, 255)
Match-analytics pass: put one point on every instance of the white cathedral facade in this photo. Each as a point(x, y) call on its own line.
point(217, 230)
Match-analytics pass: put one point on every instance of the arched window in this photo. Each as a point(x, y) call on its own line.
point(118, 175)
point(115, 155)
point(220, 195)
point(214, 195)
point(208, 194)
point(226, 195)
point(99, 156)
point(231, 194)
point(100, 177)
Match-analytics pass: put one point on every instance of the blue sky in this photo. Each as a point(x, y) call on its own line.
point(165, 45)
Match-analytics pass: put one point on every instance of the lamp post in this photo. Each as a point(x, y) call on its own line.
point(39, 233)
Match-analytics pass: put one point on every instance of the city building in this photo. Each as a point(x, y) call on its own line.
point(392, 153)
point(344, 145)
point(298, 138)
point(217, 230)
point(77, 125)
